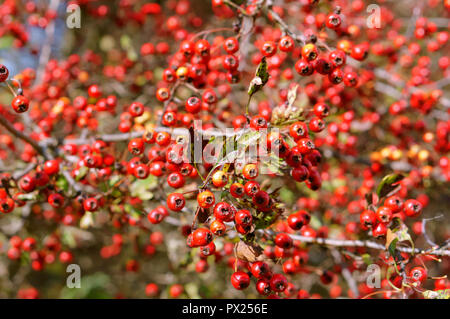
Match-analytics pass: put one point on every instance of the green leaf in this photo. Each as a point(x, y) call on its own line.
point(249, 138)
point(6, 41)
point(192, 290)
point(135, 213)
point(367, 259)
point(114, 180)
point(266, 221)
point(62, 183)
point(68, 239)
point(397, 233)
point(287, 196)
point(28, 197)
point(260, 79)
point(142, 187)
point(125, 42)
point(387, 184)
point(82, 172)
point(393, 247)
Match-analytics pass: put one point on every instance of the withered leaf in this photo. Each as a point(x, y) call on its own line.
point(249, 252)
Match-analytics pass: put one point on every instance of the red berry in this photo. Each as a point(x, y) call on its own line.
point(205, 199)
point(20, 104)
point(240, 280)
point(412, 208)
point(4, 73)
point(201, 237)
point(278, 283)
point(176, 202)
point(90, 204)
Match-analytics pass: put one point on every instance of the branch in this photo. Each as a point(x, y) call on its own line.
point(368, 244)
point(346, 273)
point(298, 37)
point(424, 231)
point(22, 136)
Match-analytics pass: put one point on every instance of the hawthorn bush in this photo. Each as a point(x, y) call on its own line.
point(225, 148)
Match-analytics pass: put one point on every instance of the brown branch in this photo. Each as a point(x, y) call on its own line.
point(23, 137)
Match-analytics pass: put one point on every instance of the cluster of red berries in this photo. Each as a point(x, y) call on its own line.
point(48, 254)
point(393, 207)
point(110, 155)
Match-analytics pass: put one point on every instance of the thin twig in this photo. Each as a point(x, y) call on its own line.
point(424, 231)
point(22, 136)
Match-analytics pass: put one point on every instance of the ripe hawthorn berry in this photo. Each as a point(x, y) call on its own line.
point(298, 219)
point(305, 145)
point(176, 290)
point(250, 171)
point(278, 283)
point(240, 280)
point(90, 204)
point(175, 180)
point(155, 216)
point(268, 49)
point(379, 230)
point(223, 212)
point(94, 91)
point(205, 199)
point(283, 240)
point(304, 67)
point(412, 208)
point(218, 228)
point(350, 79)
point(394, 203)
point(208, 250)
point(176, 202)
point(56, 200)
point(151, 290)
point(231, 45)
point(29, 244)
point(243, 217)
point(4, 73)
point(333, 21)
point(316, 124)
point(418, 274)
point(286, 44)
point(27, 183)
point(193, 105)
point(384, 214)
point(260, 269)
point(163, 94)
point(201, 237)
point(219, 179)
point(136, 146)
point(237, 190)
point(251, 188)
point(309, 52)
point(263, 287)
point(6, 205)
point(136, 109)
point(202, 47)
point(367, 218)
point(20, 104)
